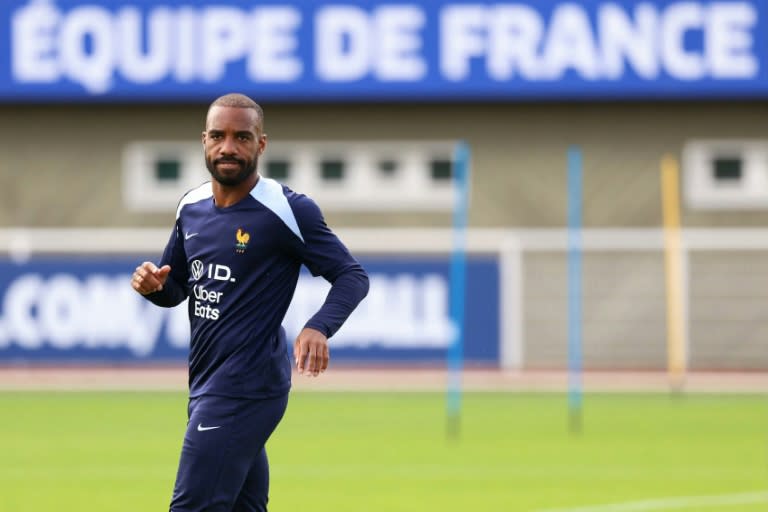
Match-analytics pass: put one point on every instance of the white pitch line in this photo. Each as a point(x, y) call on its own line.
point(670, 503)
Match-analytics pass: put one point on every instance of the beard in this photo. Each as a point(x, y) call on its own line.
point(247, 168)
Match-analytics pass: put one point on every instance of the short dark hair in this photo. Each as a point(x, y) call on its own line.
point(237, 100)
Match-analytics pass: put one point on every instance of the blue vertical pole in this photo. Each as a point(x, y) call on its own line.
point(574, 287)
point(455, 360)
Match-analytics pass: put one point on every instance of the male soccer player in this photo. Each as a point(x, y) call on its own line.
point(236, 251)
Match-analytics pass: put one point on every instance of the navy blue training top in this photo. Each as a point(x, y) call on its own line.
point(239, 267)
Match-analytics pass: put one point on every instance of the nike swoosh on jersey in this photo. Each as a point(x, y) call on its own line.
point(201, 428)
point(190, 235)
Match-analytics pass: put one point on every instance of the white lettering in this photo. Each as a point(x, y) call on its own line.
point(678, 20)
point(144, 334)
point(351, 43)
point(206, 311)
point(5, 340)
point(177, 327)
point(186, 44)
point(205, 295)
point(399, 43)
point(92, 45)
point(141, 321)
point(66, 312)
point(570, 44)
point(59, 311)
point(622, 40)
point(343, 43)
point(33, 43)
point(136, 65)
point(515, 32)
point(729, 41)
point(223, 34)
point(272, 54)
point(19, 300)
point(401, 311)
point(219, 272)
point(87, 48)
point(98, 297)
point(462, 37)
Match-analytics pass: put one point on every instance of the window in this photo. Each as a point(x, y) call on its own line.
point(332, 170)
point(727, 169)
point(725, 174)
point(372, 175)
point(340, 175)
point(387, 168)
point(157, 174)
point(167, 170)
point(442, 170)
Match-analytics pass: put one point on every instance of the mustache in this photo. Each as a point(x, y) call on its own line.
point(229, 159)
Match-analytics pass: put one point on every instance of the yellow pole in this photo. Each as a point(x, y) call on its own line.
point(676, 346)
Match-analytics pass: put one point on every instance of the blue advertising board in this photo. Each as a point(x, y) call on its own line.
point(82, 309)
point(379, 50)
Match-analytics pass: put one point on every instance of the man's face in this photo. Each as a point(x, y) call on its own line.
point(233, 142)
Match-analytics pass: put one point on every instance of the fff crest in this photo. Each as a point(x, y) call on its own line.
point(242, 241)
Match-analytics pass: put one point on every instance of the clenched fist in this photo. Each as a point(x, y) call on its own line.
point(147, 278)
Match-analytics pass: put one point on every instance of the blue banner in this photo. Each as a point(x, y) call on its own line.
point(326, 50)
point(83, 309)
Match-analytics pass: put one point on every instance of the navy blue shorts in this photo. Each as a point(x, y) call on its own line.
point(223, 464)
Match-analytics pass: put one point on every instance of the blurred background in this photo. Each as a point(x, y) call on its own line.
point(663, 287)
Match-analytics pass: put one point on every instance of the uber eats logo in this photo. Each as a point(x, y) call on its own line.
point(206, 300)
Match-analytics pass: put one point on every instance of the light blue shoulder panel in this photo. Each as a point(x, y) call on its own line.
point(270, 193)
point(195, 195)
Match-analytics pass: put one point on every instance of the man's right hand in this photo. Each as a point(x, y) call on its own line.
point(147, 278)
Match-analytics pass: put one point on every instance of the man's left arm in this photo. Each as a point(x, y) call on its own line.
point(325, 255)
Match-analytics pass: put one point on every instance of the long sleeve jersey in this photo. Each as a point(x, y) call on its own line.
point(239, 267)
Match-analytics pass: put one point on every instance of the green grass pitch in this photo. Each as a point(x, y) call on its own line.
point(388, 452)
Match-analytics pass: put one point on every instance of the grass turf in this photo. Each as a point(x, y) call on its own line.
point(113, 452)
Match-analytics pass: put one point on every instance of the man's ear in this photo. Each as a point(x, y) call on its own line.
point(262, 144)
point(202, 138)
